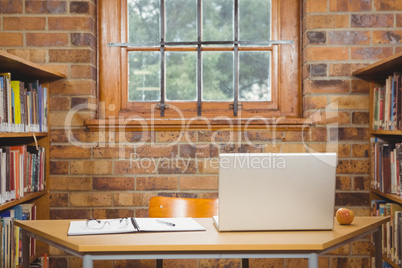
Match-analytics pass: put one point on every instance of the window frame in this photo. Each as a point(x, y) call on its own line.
point(112, 60)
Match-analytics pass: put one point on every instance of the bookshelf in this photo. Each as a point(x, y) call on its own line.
point(383, 132)
point(26, 71)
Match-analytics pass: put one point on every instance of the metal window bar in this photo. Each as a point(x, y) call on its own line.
point(163, 59)
point(236, 59)
point(199, 62)
point(199, 43)
point(262, 43)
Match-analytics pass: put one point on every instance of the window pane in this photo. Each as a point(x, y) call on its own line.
point(254, 76)
point(217, 72)
point(217, 20)
point(181, 76)
point(143, 21)
point(255, 20)
point(181, 20)
point(144, 76)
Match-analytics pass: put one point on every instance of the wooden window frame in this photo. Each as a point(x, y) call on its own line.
point(111, 79)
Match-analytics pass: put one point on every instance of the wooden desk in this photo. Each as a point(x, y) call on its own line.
point(198, 245)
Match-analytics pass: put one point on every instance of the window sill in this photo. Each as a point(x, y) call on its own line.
point(212, 124)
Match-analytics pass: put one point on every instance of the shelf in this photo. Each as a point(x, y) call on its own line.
point(21, 69)
point(22, 134)
point(385, 258)
point(26, 198)
point(393, 197)
point(381, 69)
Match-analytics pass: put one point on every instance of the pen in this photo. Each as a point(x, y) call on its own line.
point(166, 223)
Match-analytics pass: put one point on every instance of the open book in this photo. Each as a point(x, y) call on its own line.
point(135, 225)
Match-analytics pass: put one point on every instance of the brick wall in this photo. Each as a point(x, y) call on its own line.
point(106, 174)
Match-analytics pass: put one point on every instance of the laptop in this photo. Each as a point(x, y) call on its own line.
point(276, 191)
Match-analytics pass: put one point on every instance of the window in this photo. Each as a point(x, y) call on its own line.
point(199, 57)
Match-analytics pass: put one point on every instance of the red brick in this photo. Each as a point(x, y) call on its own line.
point(204, 263)
point(177, 166)
point(326, 21)
point(79, 7)
point(83, 39)
point(343, 183)
point(349, 37)
point(59, 167)
point(92, 199)
point(360, 150)
point(349, 102)
point(360, 118)
point(361, 183)
point(59, 104)
point(370, 53)
point(344, 69)
point(398, 20)
point(314, 102)
point(113, 183)
point(176, 136)
point(261, 135)
point(326, 86)
point(157, 151)
point(73, 87)
point(24, 23)
point(199, 183)
point(387, 37)
point(388, 5)
point(143, 166)
point(83, 71)
point(199, 150)
point(347, 5)
point(10, 7)
point(99, 167)
point(45, 7)
point(69, 152)
point(350, 262)
point(11, 39)
point(71, 183)
point(353, 167)
point(156, 183)
point(58, 200)
point(372, 20)
point(112, 152)
point(112, 213)
point(58, 214)
point(71, 55)
point(46, 39)
point(360, 86)
point(313, 6)
point(326, 53)
point(71, 23)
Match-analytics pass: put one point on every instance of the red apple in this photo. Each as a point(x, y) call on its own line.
point(345, 215)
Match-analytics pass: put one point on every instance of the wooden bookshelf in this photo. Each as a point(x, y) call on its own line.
point(24, 70)
point(377, 73)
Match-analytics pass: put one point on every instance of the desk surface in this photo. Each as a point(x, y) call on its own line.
point(209, 240)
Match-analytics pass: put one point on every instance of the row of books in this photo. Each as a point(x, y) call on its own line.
point(22, 170)
point(11, 239)
point(387, 104)
point(391, 231)
point(386, 166)
point(23, 106)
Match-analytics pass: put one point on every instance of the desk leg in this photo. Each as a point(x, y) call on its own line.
point(26, 249)
point(87, 261)
point(313, 260)
point(377, 236)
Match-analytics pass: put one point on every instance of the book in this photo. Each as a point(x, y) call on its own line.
point(136, 225)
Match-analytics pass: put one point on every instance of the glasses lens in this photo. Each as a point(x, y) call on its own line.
point(118, 223)
point(94, 224)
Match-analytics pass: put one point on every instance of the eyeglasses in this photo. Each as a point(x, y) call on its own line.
point(95, 224)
